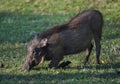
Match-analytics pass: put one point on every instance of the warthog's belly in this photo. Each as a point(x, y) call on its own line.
point(75, 41)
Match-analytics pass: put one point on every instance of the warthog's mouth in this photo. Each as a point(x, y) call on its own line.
point(28, 65)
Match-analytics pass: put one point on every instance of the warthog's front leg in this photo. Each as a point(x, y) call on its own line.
point(55, 61)
point(57, 53)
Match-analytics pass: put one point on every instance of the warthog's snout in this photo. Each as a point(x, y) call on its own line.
point(28, 64)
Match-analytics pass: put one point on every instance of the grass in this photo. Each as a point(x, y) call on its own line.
point(20, 19)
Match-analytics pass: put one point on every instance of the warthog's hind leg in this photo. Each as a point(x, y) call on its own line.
point(88, 52)
point(98, 48)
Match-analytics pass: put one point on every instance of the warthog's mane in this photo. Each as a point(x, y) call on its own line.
point(56, 29)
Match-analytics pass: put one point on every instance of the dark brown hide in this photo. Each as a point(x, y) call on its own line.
point(72, 37)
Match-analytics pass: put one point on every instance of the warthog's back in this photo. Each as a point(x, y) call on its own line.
point(92, 18)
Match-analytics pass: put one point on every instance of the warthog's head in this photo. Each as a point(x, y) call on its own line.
point(36, 51)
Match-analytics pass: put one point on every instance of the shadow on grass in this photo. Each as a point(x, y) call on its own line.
point(87, 66)
point(104, 66)
point(63, 76)
point(112, 36)
point(43, 78)
point(113, 29)
point(18, 27)
point(98, 67)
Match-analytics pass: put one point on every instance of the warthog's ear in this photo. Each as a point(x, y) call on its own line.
point(43, 42)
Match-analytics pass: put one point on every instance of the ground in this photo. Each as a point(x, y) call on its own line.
point(20, 19)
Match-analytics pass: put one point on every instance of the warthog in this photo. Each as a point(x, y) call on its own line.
point(72, 37)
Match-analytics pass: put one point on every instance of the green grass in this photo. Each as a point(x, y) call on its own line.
point(20, 19)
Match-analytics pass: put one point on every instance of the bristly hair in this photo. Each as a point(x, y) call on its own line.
point(53, 30)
